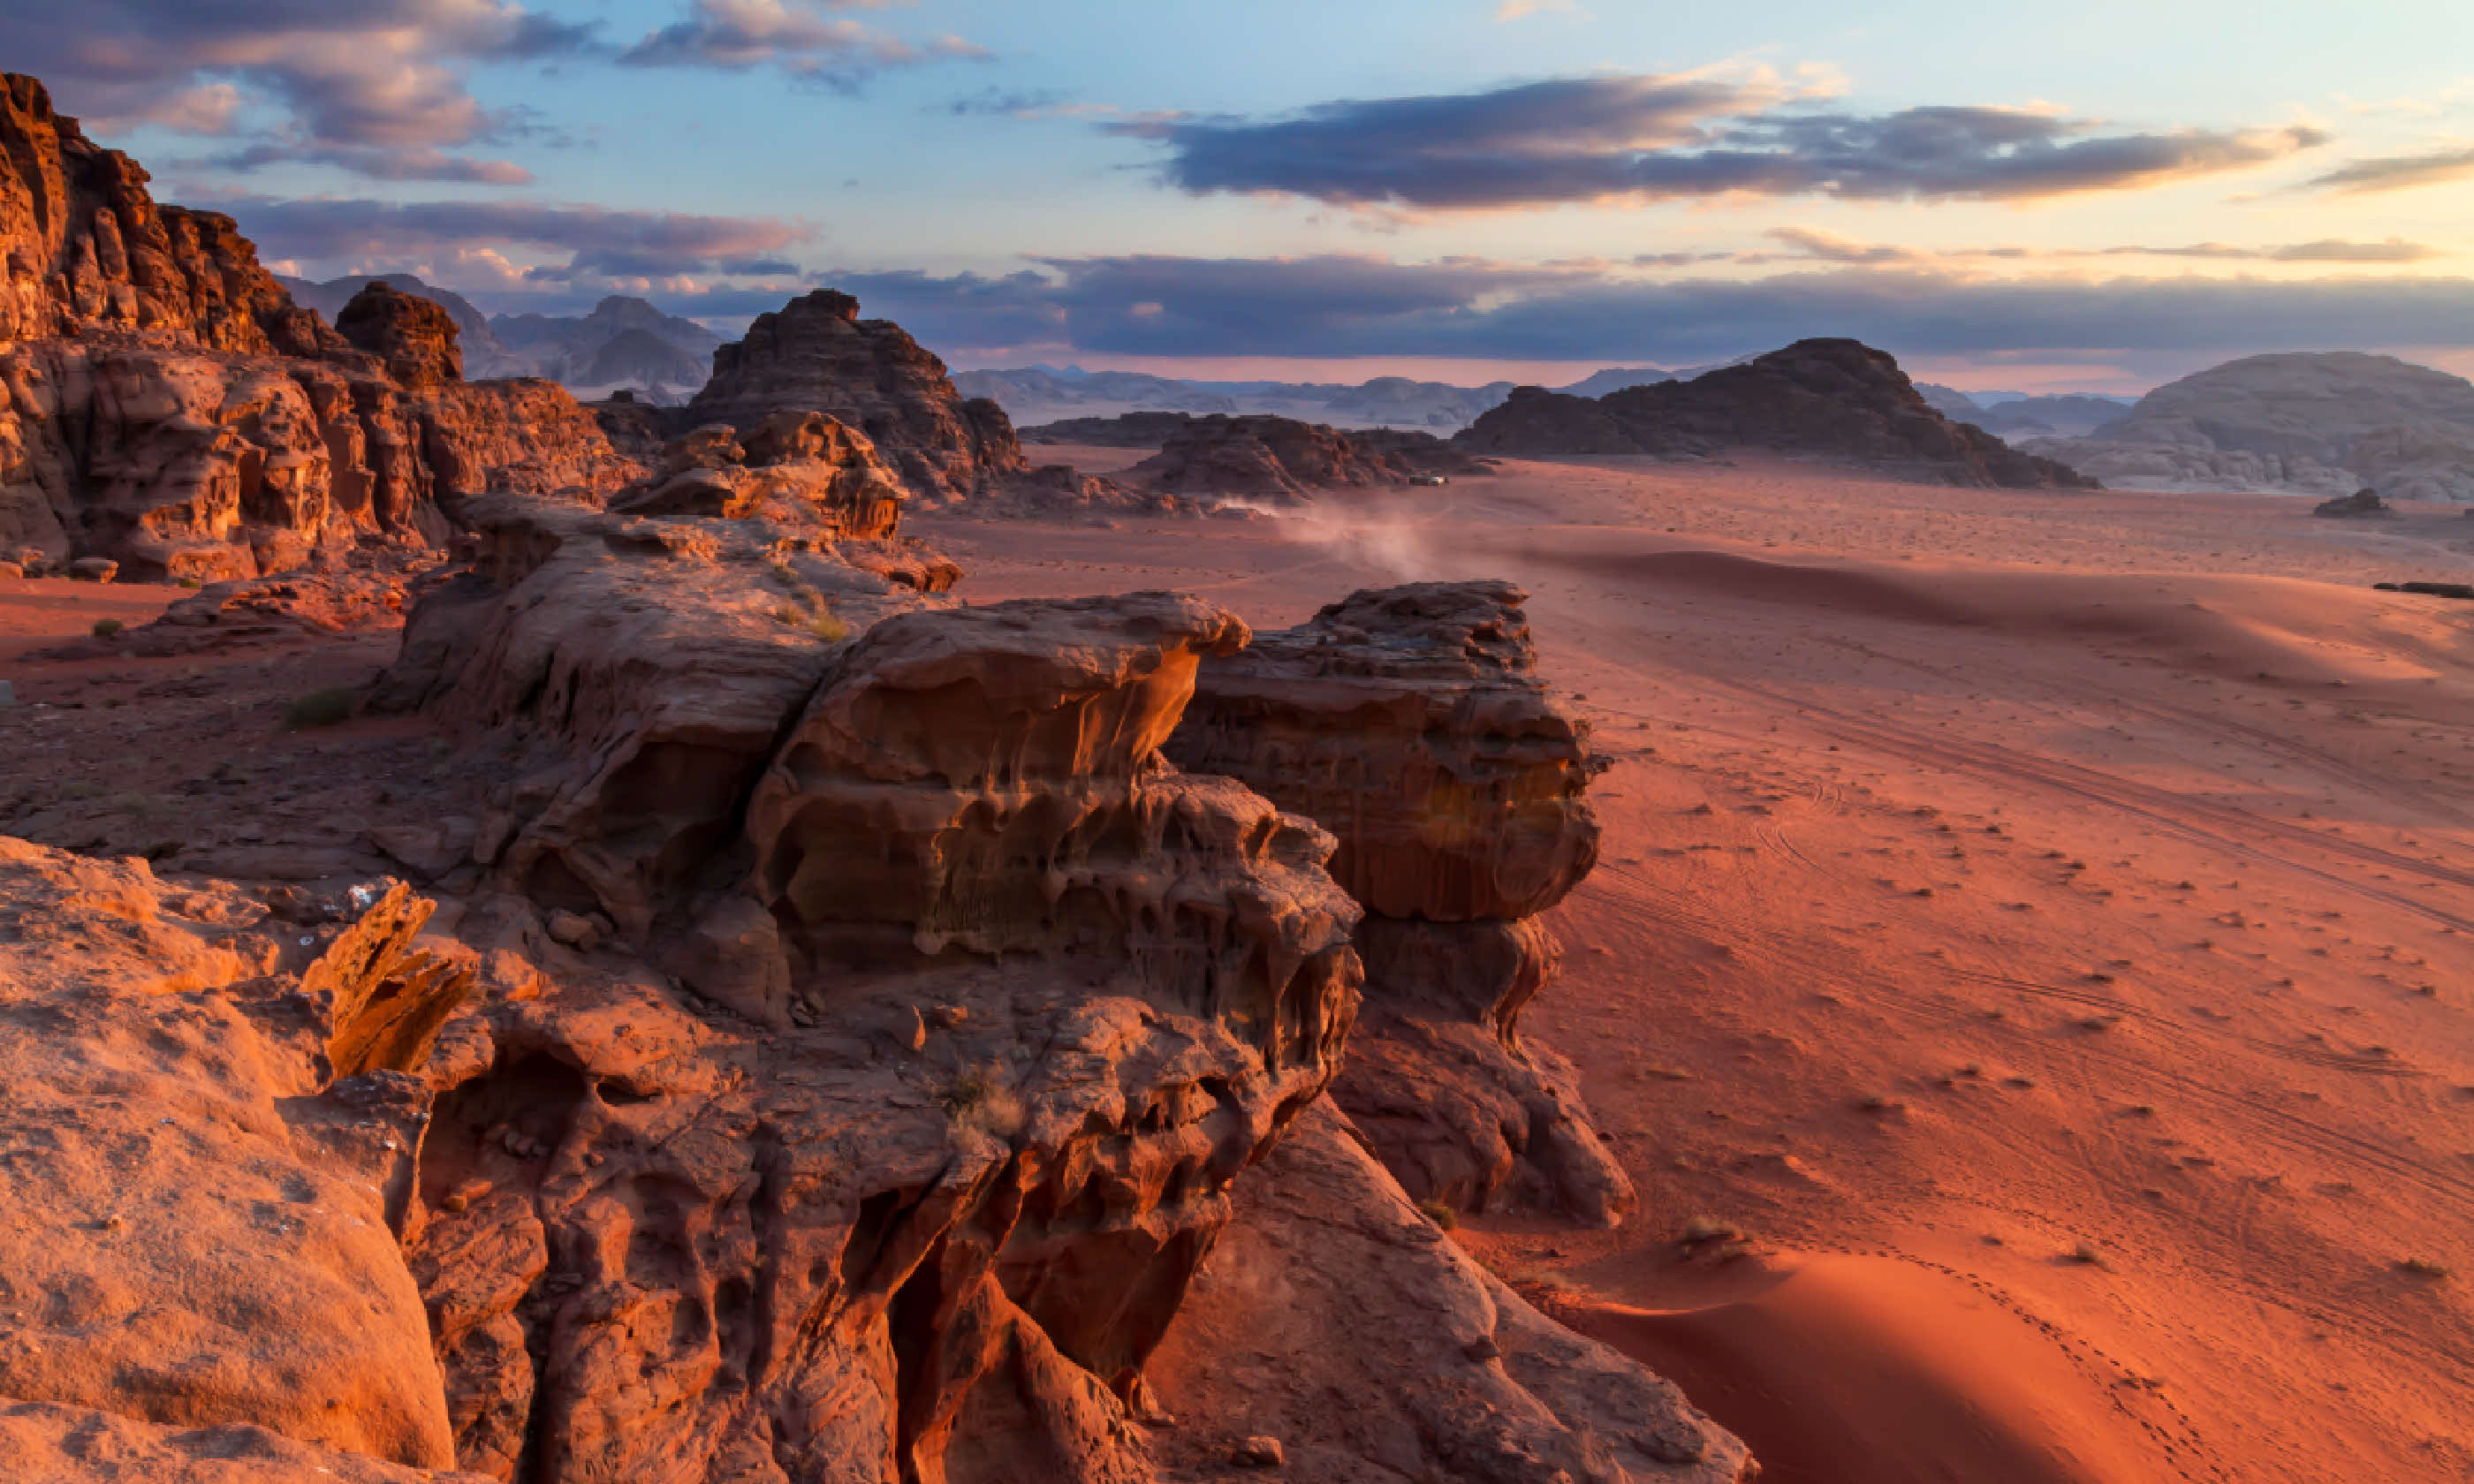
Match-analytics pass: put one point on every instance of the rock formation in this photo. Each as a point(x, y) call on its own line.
point(1328, 1276)
point(2326, 423)
point(1835, 399)
point(1280, 457)
point(84, 246)
point(213, 1120)
point(2362, 504)
point(1128, 430)
point(815, 355)
point(191, 464)
point(169, 408)
point(794, 469)
point(412, 336)
point(1411, 722)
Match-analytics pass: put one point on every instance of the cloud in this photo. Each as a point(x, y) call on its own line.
point(1336, 307)
point(1522, 9)
point(376, 87)
point(1810, 244)
point(599, 241)
point(2396, 173)
point(1675, 135)
point(795, 36)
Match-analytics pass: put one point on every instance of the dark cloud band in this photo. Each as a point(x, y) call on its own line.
point(1662, 138)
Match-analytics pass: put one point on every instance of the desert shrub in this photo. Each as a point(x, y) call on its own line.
point(321, 707)
point(1440, 1215)
point(105, 627)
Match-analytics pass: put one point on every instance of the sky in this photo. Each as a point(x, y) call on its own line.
point(2096, 196)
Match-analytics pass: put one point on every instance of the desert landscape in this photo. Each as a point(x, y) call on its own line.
point(1391, 893)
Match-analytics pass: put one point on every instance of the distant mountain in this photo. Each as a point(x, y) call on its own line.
point(2326, 423)
point(577, 350)
point(1834, 399)
point(622, 343)
point(1047, 394)
point(484, 356)
point(1616, 379)
point(2073, 414)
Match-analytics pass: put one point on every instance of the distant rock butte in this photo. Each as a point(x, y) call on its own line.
point(1835, 399)
point(1258, 456)
point(815, 355)
point(2325, 422)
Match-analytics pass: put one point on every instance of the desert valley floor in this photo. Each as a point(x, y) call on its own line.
point(2038, 923)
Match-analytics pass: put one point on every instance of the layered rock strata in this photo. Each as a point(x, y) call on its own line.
point(1835, 399)
point(1410, 722)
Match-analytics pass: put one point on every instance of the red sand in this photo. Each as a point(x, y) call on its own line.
point(1988, 874)
point(1990, 877)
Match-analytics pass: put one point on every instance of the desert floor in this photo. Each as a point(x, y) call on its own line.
point(2039, 923)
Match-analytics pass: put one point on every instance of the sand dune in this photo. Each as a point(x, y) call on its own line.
point(1869, 1371)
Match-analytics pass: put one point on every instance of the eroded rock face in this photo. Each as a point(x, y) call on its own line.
point(1410, 721)
point(815, 355)
point(1836, 400)
point(792, 469)
point(198, 1210)
point(192, 464)
point(989, 1007)
point(84, 245)
point(1327, 1279)
point(413, 338)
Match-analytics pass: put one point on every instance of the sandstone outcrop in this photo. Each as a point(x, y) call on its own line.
point(793, 467)
point(167, 407)
point(209, 1157)
point(2325, 422)
point(990, 1008)
point(194, 463)
point(84, 246)
point(1281, 458)
point(1327, 1277)
point(1410, 722)
point(815, 355)
point(1128, 430)
point(410, 336)
point(1834, 399)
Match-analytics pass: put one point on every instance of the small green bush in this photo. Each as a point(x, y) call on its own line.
point(105, 627)
point(321, 707)
point(1440, 1215)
